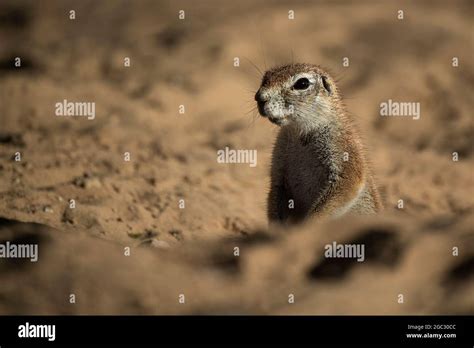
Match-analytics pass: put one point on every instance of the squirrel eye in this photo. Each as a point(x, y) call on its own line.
point(302, 83)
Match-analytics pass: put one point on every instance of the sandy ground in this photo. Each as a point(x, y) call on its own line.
point(190, 251)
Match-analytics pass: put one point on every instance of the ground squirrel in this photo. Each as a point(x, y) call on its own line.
point(318, 166)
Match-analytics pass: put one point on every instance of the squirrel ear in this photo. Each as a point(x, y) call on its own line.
point(326, 84)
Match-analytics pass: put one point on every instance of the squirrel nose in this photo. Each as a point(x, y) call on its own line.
point(260, 102)
point(259, 98)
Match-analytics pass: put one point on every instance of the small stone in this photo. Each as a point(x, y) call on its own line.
point(93, 183)
point(87, 181)
point(48, 209)
point(160, 244)
point(133, 234)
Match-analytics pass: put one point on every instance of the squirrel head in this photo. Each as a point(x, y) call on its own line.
point(302, 95)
